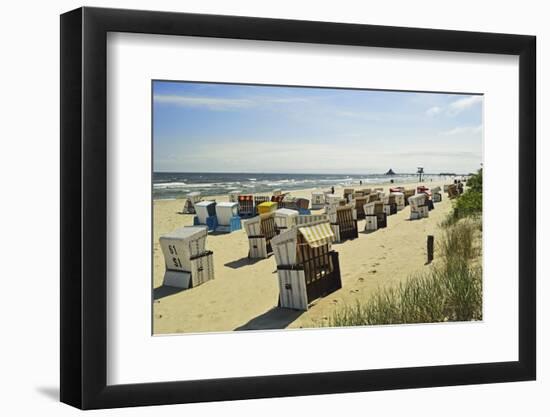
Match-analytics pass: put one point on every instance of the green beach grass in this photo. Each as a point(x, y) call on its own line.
point(451, 290)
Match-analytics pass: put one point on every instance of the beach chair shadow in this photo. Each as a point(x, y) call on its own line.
point(276, 318)
point(165, 291)
point(239, 263)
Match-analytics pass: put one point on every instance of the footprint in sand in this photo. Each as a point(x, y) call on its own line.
point(376, 264)
point(361, 279)
point(372, 271)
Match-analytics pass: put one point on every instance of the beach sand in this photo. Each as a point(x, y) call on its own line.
point(244, 293)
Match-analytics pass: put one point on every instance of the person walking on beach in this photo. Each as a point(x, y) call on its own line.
point(332, 189)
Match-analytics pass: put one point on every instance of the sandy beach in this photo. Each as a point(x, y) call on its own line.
point(244, 293)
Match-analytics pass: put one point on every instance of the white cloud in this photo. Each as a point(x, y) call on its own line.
point(456, 106)
point(464, 103)
point(208, 102)
point(222, 103)
point(432, 111)
point(463, 130)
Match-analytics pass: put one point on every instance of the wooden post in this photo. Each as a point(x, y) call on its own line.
point(430, 243)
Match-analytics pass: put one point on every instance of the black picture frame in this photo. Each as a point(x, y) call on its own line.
point(84, 207)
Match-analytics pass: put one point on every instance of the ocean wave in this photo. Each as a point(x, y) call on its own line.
point(178, 185)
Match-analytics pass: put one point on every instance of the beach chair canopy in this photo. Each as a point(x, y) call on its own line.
point(310, 219)
point(317, 235)
point(205, 203)
point(283, 212)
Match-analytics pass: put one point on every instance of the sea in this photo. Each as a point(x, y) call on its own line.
point(172, 185)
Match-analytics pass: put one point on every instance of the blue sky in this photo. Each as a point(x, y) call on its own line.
point(200, 127)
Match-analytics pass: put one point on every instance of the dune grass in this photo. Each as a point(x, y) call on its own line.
point(450, 291)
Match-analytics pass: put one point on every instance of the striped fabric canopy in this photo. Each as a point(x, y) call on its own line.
point(317, 235)
point(304, 219)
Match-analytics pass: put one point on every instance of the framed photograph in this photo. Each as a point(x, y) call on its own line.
point(258, 208)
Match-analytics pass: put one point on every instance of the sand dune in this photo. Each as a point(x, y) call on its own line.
point(245, 291)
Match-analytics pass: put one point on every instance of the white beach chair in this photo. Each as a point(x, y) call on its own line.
point(317, 200)
point(190, 200)
point(188, 263)
point(419, 208)
point(306, 266)
point(285, 218)
point(260, 230)
point(227, 214)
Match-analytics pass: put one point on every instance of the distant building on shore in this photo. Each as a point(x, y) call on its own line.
point(390, 172)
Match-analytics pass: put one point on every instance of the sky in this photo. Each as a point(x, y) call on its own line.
point(207, 127)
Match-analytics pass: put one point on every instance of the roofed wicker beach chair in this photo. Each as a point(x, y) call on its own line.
point(259, 199)
point(359, 206)
point(278, 199)
point(399, 199)
point(234, 195)
point(452, 191)
point(307, 268)
point(375, 216)
point(348, 194)
point(436, 194)
point(227, 215)
point(190, 200)
point(246, 205)
point(206, 214)
point(260, 230)
point(285, 218)
point(419, 206)
point(408, 192)
point(188, 263)
point(343, 221)
point(390, 206)
point(266, 207)
point(317, 200)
